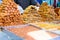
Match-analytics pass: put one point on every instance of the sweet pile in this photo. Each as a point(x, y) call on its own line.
point(47, 12)
point(30, 15)
point(9, 14)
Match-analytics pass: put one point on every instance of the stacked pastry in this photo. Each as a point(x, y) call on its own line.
point(47, 12)
point(9, 14)
point(30, 15)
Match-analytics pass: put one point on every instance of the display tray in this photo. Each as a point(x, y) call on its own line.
point(23, 32)
point(49, 27)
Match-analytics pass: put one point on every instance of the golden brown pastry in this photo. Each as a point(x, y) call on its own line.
point(9, 14)
point(47, 12)
point(30, 15)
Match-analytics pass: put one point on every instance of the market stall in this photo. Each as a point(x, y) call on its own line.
point(36, 23)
